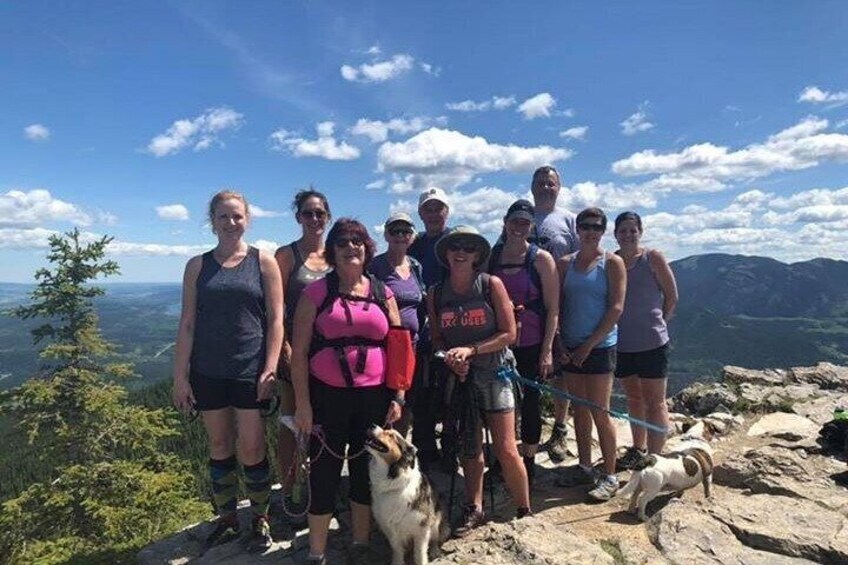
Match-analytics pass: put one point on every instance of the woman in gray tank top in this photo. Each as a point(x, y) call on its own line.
point(225, 363)
point(643, 336)
point(472, 319)
point(301, 262)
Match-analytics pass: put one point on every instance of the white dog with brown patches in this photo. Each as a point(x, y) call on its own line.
point(688, 465)
point(404, 503)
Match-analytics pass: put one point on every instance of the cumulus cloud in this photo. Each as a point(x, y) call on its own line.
point(449, 158)
point(172, 212)
point(325, 147)
point(380, 71)
point(37, 132)
point(494, 103)
point(801, 146)
point(815, 95)
point(199, 133)
point(539, 106)
point(378, 131)
point(430, 69)
point(257, 212)
point(607, 196)
point(266, 245)
point(36, 238)
point(578, 133)
point(637, 122)
point(28, 209)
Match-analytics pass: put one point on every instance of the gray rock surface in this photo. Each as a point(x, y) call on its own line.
point(791, 427)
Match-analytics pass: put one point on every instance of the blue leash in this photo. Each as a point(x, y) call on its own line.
point(510, 373)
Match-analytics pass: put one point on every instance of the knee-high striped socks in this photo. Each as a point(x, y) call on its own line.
point(224, 475)
point(257, 483)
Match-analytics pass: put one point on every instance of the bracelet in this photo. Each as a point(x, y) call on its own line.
point(399, 401)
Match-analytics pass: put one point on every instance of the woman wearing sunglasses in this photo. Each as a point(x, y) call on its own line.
point(593, 287)
point(643, 336)
point(301, 263)
point(339, 377)
point(472, 320)
point(402, 274)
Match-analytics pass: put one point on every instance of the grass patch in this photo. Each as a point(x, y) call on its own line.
point(613, 548)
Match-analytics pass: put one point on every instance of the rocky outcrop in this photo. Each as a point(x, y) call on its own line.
point(774, 498)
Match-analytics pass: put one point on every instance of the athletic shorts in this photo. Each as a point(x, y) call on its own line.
point(651, 364)
point(214, 394)
point(494, 393)
point(599, 361)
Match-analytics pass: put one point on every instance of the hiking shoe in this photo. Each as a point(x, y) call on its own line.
point(523, 512)
point(316, 559)
point(556, 445)
point(226, 529)
point(631, 457)
point(605, 488)
point(360, 554)
point(575, 476)
point(260, 536)
point(472, 518)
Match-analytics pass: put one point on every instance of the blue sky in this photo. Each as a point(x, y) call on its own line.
point(724, 124)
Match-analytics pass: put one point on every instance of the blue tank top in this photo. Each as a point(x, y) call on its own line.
point(230, 324)
point(583, 304)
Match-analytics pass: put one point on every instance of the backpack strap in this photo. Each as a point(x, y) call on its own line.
point(298, 258)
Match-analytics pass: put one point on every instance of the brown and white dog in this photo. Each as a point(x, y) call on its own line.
point(404, 502)
point(690, 464)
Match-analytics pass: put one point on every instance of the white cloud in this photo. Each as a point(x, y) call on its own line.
point(24, 238)
point(578, 133)
point(126, 248)
point(266, 245)
point(449, 158)
point(430, 69)
point(326, 146)
point(637, 122)
point(28, 209)
point(257, 212)
point(380, 71)
point(36, 238)
point(607, 196)
point(374, 50)
point(376, 185)
point(37, 132)
point(378, 131)
point(538, 106)
point(495, 103)
point(801, 146)
point(815, 95)
point(199, 133)
point(172, 212)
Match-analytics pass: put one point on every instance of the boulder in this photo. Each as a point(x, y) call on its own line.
point(701, 399)
point(739, 375)
point(826, 376)
point(790, 427)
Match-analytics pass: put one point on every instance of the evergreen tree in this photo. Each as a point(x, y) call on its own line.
point(113, 489)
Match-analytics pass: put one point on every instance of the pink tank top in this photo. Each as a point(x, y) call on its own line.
point(368, 322)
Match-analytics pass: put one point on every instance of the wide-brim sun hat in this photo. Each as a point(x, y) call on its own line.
point(463, 233)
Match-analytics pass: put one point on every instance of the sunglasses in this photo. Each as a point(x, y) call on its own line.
point(400, 231)
point(591, 227)
point(313, 214)
point(345, 241)
point(460, 246)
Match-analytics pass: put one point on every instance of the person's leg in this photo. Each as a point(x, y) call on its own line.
point(636, 408)
point(223, 466)
point(656, 410)
point(472, 471)
point(576, 384)
point(502, 426)
point(598, 391)
point(251, 450)
point(527, 362)
point(423, 407)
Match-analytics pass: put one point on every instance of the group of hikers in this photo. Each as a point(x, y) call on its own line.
point(310, 324)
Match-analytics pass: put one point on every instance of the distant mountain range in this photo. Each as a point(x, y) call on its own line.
point(751, 311)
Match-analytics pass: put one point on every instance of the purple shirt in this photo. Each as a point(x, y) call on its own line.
point(522, 291)
point(641, 326)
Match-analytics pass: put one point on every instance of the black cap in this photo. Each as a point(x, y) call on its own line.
point(521, 209)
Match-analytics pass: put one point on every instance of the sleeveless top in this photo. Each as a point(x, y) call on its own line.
point(469, 318)
point(641, 326)
point(584, 301)
point(521, 290)
point(300, 276)
point(230, 324)
point(408, 292)
point(348, 318)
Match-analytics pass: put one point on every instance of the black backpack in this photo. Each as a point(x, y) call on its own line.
point(376, 295)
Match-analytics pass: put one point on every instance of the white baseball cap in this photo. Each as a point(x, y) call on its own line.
point(433, 193)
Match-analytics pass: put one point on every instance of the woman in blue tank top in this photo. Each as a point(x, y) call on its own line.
point(593, 287)
point(643, 336)
point(301, 262)
point(228, 346)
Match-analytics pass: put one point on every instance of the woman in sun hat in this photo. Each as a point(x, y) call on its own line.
point(472, 320)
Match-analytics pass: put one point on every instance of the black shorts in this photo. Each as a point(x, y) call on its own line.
point(214, 394)
point(651, 364)
point(600, 361)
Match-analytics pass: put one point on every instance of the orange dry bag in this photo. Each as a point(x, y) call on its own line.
point(400, 358)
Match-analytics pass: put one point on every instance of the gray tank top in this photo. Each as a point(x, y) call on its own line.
point(230, 324)
point(641, 326)
point(300, 276)
point(469, 318)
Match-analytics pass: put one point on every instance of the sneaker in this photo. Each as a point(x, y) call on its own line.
point(226, 529)
point(316, 559)
point(605, 488)
point(631, 457)
point(523, 512)
point(575, 476)
point(556, 445)
point(360, 554)
point(260, 537)
point(472, 518)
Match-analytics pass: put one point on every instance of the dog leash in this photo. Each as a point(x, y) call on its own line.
point(510, 373)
